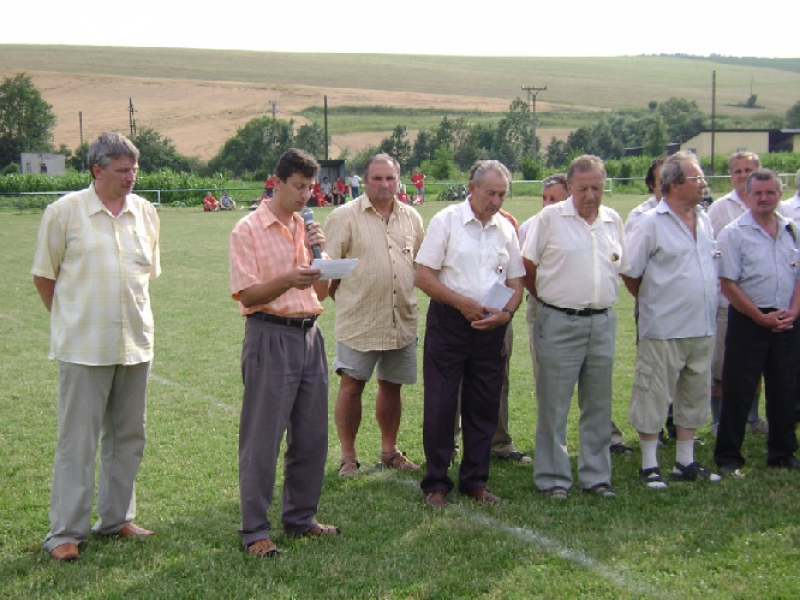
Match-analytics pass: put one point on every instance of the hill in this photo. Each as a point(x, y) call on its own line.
point(200, 97)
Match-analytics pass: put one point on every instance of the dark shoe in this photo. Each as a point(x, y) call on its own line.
point(556, 492)
point(263, 549)
point(731, 472)
point(483, 495)
point(620, 448)
point(652, 478)
point(65, 552)
point(603, 490)
point(130, 530)
point(320, 530)
point(693, 472)
point(792, 463)
point(436, 499)
point(515, 456)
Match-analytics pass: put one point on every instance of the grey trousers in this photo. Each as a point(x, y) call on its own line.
point(570, 350)
point(105, 404)
point(285, 373)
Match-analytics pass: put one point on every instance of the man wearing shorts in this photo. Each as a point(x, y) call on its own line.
point(672, 272)
point(376, 309)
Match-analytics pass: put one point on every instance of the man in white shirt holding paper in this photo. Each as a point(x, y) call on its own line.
point(469, 251)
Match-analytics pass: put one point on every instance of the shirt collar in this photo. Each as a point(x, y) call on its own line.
point(468, 215)
point(96, 205)
point(568, 210)
point(266, 217)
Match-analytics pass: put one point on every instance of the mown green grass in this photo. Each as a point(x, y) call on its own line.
point(735, 539)
point(618, 82)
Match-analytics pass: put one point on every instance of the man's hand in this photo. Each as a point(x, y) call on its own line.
point(492, 319)
point(303, 277)
point(314, 235)
point(472, 310)
point(778, 321)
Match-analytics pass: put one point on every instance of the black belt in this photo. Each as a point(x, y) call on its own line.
point(575, 312)
point(301, 322)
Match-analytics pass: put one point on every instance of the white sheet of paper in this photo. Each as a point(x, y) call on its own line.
point(334, 269)
point(498, 296)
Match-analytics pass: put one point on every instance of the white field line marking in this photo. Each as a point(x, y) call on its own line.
point(578, 557)
point(214, 401)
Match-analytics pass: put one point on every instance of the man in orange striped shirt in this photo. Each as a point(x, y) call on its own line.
point(284, 366)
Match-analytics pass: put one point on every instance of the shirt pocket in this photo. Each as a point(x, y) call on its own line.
point(143, 250)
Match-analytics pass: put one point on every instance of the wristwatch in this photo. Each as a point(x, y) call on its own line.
point(510, 312)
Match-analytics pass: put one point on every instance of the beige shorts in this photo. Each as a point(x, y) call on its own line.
point(677, 370)
point(719, 345)
point(395, 366)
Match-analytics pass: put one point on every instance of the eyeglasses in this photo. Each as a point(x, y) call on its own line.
point(696, 179)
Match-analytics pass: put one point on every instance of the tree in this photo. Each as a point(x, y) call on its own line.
point(793, 116)
point(683, 118)
point(311, 138)
point(397, 145)
point(157, 152)
point(442, 166)
point(255, 149)
point(655, 140)
point(26, 120)
point(513, 140)
point(557, 153)
point(423, 149)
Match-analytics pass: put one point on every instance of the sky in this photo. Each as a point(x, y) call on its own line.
point(465, 28)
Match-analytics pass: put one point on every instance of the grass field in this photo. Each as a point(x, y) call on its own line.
point(733, 539)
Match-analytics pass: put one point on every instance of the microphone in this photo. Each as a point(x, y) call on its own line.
point(308, 219)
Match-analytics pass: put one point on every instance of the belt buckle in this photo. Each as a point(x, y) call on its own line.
point(572, 312)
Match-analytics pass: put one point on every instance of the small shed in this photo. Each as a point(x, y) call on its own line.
point(46, 164)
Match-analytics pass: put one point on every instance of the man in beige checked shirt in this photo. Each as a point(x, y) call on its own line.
point(96, 254)
point(376, 309)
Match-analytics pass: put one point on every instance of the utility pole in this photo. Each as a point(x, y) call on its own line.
point(713, 116)
point(83, 154)
point(132, 119)
point(273, 103)
point(326, 127)
point(532, 92)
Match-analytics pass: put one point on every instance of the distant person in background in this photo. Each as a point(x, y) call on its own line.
point(339, 192)
point(723, 211)
point(269, 186)
point(418, 179)
point(355, 182)
point(326, 189)
point(226, 202)
point(98, 250)
point(210, 204)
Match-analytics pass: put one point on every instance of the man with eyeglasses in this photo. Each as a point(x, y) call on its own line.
point(759, 275)
point(671, 272)
point(722, 212)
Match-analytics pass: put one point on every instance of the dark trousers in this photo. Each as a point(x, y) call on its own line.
point(751, 350)
point(459, 358)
